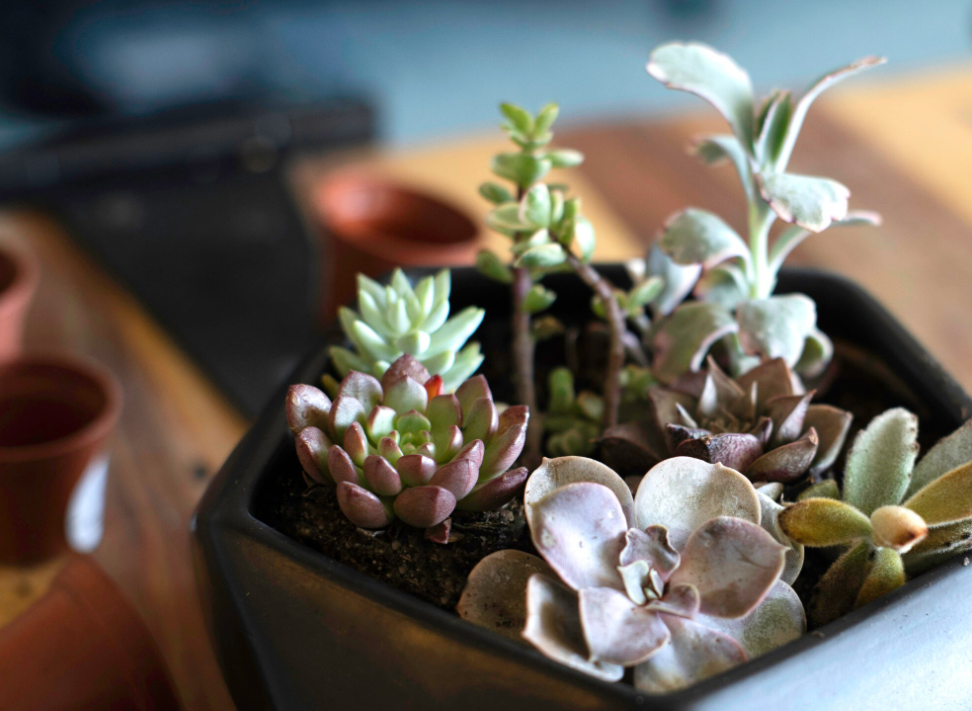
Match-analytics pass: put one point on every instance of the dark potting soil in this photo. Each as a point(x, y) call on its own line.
point(402, 557)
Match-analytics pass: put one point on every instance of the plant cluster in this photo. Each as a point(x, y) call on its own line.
point(705, 414)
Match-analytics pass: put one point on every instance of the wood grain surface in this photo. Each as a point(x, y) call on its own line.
point(176, 429)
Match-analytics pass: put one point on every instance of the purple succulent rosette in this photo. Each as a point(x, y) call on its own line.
point(680, 581)
point(762, 424)
point(408, 450)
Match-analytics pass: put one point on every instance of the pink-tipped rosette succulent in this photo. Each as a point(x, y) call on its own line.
point(680, 581)
point(400, 447)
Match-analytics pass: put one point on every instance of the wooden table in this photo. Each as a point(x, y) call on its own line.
point(903, 147)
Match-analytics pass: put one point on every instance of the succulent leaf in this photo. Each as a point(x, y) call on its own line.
point(824, 522)
point(897, 528)
point(489, 263)
point(880, 461)
point(695, 236)
point(792, 237)
point(777, 620)
point(885, 574)
point(715, 77)
point(553, 474)
point(837, 591)
point(773, 128)
point(812, 203)
point(678, 279)
point(713, 150)
point(724, 285)
point(684, 338)
point(948, 453)
point(617, 630)
point(362, 507)
point(945, 500)
point(776, 327)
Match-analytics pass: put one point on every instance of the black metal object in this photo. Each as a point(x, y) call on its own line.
point(295, 630)
point(191, 211)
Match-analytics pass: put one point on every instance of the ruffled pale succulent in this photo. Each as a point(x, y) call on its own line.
point(895, 518)
point(404, 448)
point(734, 278)
point(680, 581)
point(761, 424)
point(396, 319)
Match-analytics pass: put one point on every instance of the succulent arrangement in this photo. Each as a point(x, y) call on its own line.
point(690, 478)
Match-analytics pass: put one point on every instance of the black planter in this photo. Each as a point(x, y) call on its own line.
point(295, 630)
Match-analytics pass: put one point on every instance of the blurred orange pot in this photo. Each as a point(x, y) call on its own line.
point(371, 226)
point(82, 647)
point(56, 413)
point(18, 282)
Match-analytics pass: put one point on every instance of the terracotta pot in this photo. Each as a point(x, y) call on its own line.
point(55, 414)
point(82, 647)
point(372, 226)
point(19, 275)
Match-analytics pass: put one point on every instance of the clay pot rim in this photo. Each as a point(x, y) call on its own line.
point(98, 428)
point(26, 277)
point(381, 245)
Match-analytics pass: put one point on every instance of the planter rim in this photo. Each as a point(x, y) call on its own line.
point(379, 244)
point(94, 430)
point(25, 278)
point(231, 508)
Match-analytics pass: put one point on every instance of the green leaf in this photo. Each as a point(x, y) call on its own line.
point(837, 590)
point(545, 327)
point(538, 299)
point(810, 202)
point(495, 193)
point(776, 327)
point(520, 118)
point(561, 387)
point(645, 292)
point(678, 279)
point(713, 150)
point(556, 207)
point(538, 238)
point(536, 207)
point(565, 158)
point(950, 452)
point(546, 117)
point(522, 168)
point(545, 255)
point(492, 266)
point(683, 339)
point(818, 87)
point(818, 350)
point(724, 284)
point(466, 363)
point(772, 131)
point(583, 238)
point(885, 574)
point(715, 77)
point(506, 218)
point(826, 489)
point(791, 237)
point(455, 331)
point(824, 522)
point(880, 461)
point(945, 500)
point(695, 236)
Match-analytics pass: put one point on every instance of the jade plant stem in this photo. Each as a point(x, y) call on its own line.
point(616, 328)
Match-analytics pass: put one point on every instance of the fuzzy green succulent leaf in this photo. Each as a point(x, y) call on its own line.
point(491, 265)
point(880, 461)
point(817, 88)
point(885, 574)
point(776, 327)
point(949, 453)
point(826, 489)
point(544, 255)
point(683, 339)
point(812, 203)
point(495, 193)
point(695, 236)
point(536, 207)
point(945, 500)
point(713, 150)
point(824, 522)
point(724, 284)
point(711, 75)
point(520, 118)
point(792, 237)
point(837, 591)
point(521, 168)
point(538, 299)
point(565, 158)
point(941, 543)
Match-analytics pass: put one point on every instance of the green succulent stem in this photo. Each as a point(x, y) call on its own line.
point(761, 219)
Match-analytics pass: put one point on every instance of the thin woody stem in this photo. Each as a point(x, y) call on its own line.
point(615, 318)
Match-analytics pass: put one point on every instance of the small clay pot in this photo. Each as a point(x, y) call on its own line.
point(19, 275)
point(82, 647)
point(55, 414)
point(371, 226)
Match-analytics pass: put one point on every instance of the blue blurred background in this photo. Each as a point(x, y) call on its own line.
point(439, 67)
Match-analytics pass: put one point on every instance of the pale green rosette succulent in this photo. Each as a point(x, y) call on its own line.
point(397, 319)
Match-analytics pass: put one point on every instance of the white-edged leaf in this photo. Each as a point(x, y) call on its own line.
point(791, 237)
point(535, 207)
point(724, 284)
point(678, 279)
point(713, 150)
point(711, 75)
point(776, 327)
point(695, 236)
point(683, 338)
point(812, 203)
